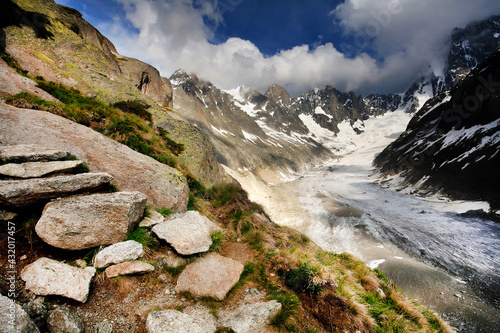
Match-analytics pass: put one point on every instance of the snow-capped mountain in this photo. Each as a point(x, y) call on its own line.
point(468, 48)
point(452, 144)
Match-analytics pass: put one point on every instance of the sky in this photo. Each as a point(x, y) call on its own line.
point(365, 46)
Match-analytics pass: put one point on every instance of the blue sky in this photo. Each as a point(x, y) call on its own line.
point(360, 45)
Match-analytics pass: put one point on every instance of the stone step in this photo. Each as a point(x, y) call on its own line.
point(30, 153)
point(27, 192)
point(38, 169)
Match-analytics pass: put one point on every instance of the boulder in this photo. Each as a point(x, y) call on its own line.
point(63, 320)
point(196, 319)
point(250, 318)
point(37, 169)
point(87, 221)
point(187, 233)
point(165, 186)
point(118, 253)
point(127, 268)
point(212, 276)
point(27, 192)
point(14, 319)
point(50, 277)
point(30, 153)
point(153, 219)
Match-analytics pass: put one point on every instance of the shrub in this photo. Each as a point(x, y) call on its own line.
point(136, 107)
point(303, 279)
point(174, 147)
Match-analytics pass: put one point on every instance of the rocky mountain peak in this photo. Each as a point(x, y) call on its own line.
point(278, 93)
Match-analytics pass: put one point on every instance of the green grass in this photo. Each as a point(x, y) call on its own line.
point(12, 63)
point(165, 211)
point(218, 239)
point(175, 271)
point(143, 237)
point(136, 107)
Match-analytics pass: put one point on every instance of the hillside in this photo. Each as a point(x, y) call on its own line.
point(451, 145)
point(119, 218)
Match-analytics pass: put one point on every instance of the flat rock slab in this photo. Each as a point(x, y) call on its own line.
point(153, 219)
point(250, 318)
point(13, 313)
point(117, 253)
point(87, 221)
point(26, 192)
point(30, 153)
point(128, 268)
point(193, 320)
point(37, 169)
point(50, 277)
point(187, 233)
point(212, 276)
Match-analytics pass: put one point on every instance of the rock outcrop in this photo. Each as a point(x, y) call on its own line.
point(83, 222)
point(117, 253)
point(13, 318)
point(250, 318)
point(131, 171)
point(27, 192)
point(50, 277)
point(127, 268)
point(211, 276)
point(188, 233)
point(37, 169)
point(198, 320)
point(147, 79)
point(30, 153)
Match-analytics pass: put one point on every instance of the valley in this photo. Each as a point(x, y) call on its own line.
point(447, 262)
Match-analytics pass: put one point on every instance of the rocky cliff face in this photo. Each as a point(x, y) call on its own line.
point(452, 144)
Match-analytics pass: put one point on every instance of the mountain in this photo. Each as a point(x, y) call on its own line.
point(249, 130)
point(452, 143)
point(468, 48)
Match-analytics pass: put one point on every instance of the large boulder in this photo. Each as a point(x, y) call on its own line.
point(50, 277)
point(30, 153)
point(27, 192)
point(211, 276)
point(14, 319)
point(87, 221)
point(127, 268)
point(250, 318)
point(63, 320)
point(118, 253)
point(165, 187)
point(188, 233)
point(38, 169)
point(193, 320)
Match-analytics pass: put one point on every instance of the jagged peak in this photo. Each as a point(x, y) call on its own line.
point(278, 91)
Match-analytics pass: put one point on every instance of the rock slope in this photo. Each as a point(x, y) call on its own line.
point(452, 144)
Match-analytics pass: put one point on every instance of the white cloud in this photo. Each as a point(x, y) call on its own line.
point(406, 34)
